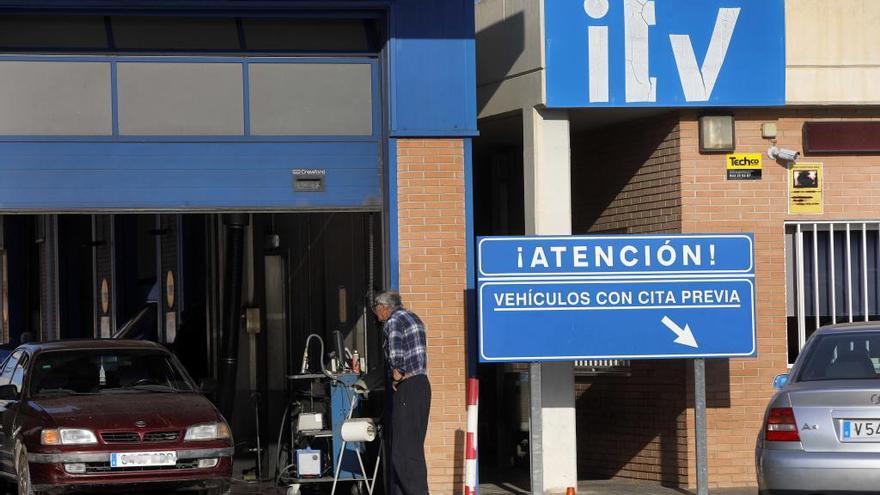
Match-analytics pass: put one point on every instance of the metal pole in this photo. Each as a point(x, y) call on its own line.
point(536, 429)
point(700, 423)
point(232, 282)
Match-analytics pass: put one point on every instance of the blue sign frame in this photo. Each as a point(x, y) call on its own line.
point(616, 255)
point(665, 53)
point(616, 297)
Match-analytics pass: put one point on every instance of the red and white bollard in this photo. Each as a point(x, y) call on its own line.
point(470, 462)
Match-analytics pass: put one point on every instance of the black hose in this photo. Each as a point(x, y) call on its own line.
point(235, 224)
point(255, 397)
point(284, 418)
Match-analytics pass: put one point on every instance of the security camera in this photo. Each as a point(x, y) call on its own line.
point(783, 154)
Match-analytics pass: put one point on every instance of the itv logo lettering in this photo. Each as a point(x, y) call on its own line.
point(697, 79)
point(664, 53)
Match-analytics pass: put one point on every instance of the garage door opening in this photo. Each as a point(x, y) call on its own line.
point(234, 296)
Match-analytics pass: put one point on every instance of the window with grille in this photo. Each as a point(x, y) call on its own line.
point(126, 34)
point(596, 367)
point(4, 299)
point(831, 276)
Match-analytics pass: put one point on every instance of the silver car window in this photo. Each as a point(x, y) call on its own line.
point(842, 357)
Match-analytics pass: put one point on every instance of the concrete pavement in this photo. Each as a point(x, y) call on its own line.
point(610, 487)
point(601, 487)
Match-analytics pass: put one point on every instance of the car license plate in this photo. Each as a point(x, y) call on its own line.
point(142, 459)
point(860, 430)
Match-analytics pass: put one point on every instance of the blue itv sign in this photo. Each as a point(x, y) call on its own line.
point(616, 297)
point(664, 53)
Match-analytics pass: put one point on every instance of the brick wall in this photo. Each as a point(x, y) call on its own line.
point(634, 426)
point(710, 203)
point(431, 229)
point(625, 179)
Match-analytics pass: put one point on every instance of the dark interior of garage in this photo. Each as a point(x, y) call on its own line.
point(234, 296)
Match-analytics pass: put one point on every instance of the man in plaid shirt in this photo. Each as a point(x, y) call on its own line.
point(406, 357)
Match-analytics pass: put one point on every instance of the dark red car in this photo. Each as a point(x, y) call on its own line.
point(103, 414)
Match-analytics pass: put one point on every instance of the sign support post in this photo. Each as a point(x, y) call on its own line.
point(536, 430)
point(547, 187)
point(700, 426)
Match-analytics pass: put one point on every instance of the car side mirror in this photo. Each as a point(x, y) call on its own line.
point(780, 381)
point(206, 386)
point(8, 392)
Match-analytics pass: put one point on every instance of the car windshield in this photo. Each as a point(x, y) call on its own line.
point(849, 356)
point(76, 372)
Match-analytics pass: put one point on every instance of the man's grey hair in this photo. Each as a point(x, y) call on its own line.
point(389, 299)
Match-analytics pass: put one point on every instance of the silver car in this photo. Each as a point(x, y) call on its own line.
point(821, 430)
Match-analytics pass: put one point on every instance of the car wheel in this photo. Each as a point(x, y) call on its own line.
point(23, 471)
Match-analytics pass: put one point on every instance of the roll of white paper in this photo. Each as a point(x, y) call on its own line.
point(359, 430)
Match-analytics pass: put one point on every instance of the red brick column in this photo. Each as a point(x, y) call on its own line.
point(431, 230)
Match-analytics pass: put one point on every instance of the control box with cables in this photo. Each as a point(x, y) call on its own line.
point(324, 402)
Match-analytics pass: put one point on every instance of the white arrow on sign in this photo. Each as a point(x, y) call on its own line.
point(684, 335)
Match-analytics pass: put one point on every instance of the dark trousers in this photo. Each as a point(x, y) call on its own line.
point(409, 424)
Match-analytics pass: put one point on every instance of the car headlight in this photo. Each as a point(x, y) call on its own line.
point(67, 436)
point(208, 431)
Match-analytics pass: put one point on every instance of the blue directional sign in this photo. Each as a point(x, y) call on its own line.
point(664, 53)
point(616, 297)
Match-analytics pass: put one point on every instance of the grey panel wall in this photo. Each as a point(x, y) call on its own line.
point(164, 98)
point(55, 98)
point(180, 99)
point(311, 99)
point(509, 40)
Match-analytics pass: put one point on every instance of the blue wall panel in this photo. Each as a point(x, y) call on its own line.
point(392, 225)
point(193, 6)
point(433, 76)
point(70, 175)
point(431, 87)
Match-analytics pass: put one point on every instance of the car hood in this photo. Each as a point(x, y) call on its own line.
point(121, 411)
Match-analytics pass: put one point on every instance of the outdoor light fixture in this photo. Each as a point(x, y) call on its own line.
point(717, 134)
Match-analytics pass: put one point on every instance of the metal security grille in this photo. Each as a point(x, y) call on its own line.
point(49, 309)
point(831, 276)
point(170, 279)
point(135, 437)
point(104, 467)
point(592, 367)
point(4, 298)
point(104, 281)
point(4, 291)
point(161, 436)
point(120, 437)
